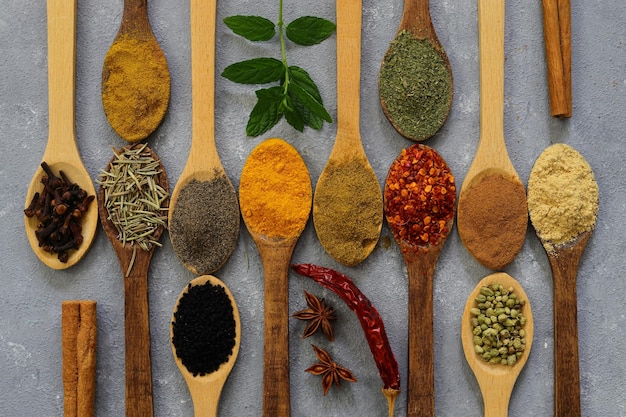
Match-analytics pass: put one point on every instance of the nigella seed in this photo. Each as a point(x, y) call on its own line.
point(204, 328)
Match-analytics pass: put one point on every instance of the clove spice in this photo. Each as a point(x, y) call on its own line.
point(59, 207)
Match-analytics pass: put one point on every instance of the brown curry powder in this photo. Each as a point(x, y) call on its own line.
point(135, 87)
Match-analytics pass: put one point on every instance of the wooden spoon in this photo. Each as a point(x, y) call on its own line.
point(496, 381)
point(416, 20)
point(135, 74)
point(284, 191)
point(491, 161)
point(135, 265)
point(61, 152)
point(420, 262)
point(352, 228)
point(205, 390)
point(203, 164)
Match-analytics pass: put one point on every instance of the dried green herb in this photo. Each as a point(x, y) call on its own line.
point(415, 86)
point(297, 97)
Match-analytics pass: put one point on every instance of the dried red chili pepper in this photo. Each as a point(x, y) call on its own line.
point(420, 196)
point(370, 319)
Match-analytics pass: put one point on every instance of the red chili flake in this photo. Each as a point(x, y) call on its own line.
point(420, 196)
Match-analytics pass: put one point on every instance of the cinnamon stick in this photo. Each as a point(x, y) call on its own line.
point(79, 334)
point(557, 37)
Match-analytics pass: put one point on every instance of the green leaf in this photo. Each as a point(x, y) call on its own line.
point(292, 115)
point(255, 71)
point(309, 30)
point(301, 77)
point(253, 28)
point(310, 102)
point(267, 111)
point(310, 119)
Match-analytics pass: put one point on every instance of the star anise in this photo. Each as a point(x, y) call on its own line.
point(319, 314)
point(330, 371)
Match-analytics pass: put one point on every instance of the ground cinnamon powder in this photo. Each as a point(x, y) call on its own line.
point(492, 219)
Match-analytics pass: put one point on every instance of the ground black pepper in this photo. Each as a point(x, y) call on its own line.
point(204, 328)
point(205, 224)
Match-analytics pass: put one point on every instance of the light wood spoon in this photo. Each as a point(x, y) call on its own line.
point(145, 101)
point(492, 160)
point(420, 261)
point(206, 390)
point(203, 163)
point(135, 265)
point(351, 228)
point(61, 152)
point(416, 20)
point(283, 192)
point(496, 381)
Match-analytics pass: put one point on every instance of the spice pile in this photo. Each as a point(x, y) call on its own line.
point(59, 209)
point(562, 195)
point(135, 202)
point(420, 196)
point(204, 328)
point(415, 86)
point(497, 323)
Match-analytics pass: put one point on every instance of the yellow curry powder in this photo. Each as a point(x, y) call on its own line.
point(135, 87)
point(275, 190)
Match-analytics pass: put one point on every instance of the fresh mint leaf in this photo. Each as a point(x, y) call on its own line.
point(303, 78)
point(310, 119)
point(255, 71)
point(310, 102)
point(267, 111)
point(293, 117)
point(253, 28)
point(309, 30)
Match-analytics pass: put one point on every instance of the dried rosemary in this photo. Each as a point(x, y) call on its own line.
point(133, 198)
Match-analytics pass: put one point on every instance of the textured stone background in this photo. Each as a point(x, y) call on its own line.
point(31, 294)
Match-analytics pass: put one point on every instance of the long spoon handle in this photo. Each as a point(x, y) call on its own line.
point(421, 378)
point(348, 75)
point(62, 79)
point(566, 368)
point(275, 259)
point(137, 335)
point(416, 18)
point(135, 17)
point(203, 152)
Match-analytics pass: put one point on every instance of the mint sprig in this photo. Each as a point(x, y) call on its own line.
point(297, 97)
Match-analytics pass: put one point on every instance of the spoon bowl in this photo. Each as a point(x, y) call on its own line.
point(135, 263)
point(61, 152)
point(135, 73)
point(275, 221)
point(496, 381)
point(492, 188)
point(205, 390)
point(201, 250)
point(420, 257)
point(348, 224)
point(417, 24)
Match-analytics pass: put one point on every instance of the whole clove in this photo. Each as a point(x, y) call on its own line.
point(59, 208)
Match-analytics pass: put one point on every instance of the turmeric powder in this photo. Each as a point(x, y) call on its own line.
point(275, 190)
point(135, 87)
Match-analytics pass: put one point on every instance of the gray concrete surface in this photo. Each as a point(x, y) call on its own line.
point(31, 293)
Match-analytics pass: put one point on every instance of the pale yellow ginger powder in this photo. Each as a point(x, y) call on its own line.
point(562, 195)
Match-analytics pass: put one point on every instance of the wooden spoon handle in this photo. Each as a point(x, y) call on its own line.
point(203, 152)
point(566, 368)
point(62, 78)
point(275, 259)
point(348, 74)
point(135, 17)
point(557, 38)
point(491, 55)
point(421, 378)
point(416, 19)
point(137, 337)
